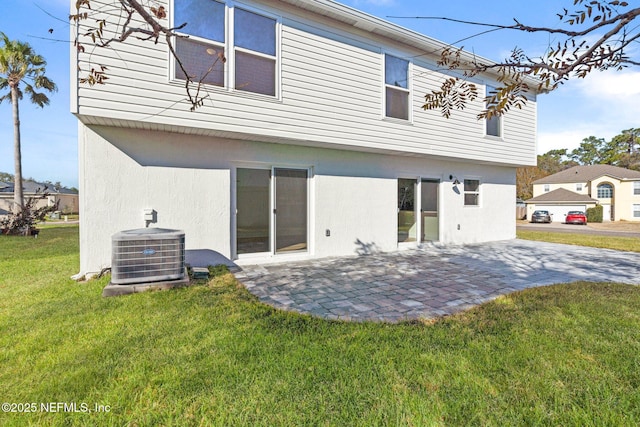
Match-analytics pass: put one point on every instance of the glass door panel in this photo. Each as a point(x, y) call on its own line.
point(290, 209)
point(407, 226)
point(253, 210)
point(429, 210)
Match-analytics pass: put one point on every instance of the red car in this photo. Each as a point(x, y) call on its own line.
point(576, 217)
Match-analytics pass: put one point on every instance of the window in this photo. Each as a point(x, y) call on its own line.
point(547, 188)
point(471, 192)
point(255, 52)
point(636, 188)
point(605, 191)
point(252, 64)
point(494, 124)
point(636, 211)
point(397, 93)
point(579, 187)
point(199, 53)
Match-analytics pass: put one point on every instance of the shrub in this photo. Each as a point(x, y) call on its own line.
point(595, 214)
point(25, 220)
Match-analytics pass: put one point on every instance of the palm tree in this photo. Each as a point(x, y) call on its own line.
point(20, 64)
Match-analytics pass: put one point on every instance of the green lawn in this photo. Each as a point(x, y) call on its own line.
point(619, 243)
point(213, 355)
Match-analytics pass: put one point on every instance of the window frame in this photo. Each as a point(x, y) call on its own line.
point(635, 210)
point(487, 90)
point(636, 188)
point(466, 192)
point(547, 188)
point(408, 90)
point(609, 188)
point(233, 48)
point(579, 186)
point(230, 50)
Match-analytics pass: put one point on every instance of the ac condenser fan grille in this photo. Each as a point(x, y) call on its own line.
point(147, 255)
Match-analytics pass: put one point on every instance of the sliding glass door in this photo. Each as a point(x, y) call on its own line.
point(429, 210)
point(271, 210)
point(253, 220)
point(290, 210)
point(407, 225)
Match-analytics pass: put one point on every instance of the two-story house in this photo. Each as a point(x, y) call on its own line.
point(312, 141)
point(581, 187)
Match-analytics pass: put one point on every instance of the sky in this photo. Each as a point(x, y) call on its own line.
point(602, 105)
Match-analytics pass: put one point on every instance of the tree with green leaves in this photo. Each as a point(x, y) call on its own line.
point(6, 177)
point(590, 152)
point(627, 148)
point(554, 161)
point(621, 151)
point(21, 71)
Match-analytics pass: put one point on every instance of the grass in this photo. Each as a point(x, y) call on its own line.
point(213, 355)
point(619, 243)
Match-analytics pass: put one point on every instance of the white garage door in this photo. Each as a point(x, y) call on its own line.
point(560, 212)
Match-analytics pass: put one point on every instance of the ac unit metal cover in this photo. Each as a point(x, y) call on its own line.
point(147, 255)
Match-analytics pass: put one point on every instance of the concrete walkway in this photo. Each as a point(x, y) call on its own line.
point(430, 282)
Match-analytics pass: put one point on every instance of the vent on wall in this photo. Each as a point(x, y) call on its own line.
point(147, 255)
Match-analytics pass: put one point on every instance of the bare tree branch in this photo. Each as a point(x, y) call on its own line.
point(132, 9)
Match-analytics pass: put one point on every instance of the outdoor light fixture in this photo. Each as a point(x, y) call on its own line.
point(455, 180)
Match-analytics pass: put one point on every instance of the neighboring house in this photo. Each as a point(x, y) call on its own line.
point(68, 200)
point(581, 187)
point(312, 143)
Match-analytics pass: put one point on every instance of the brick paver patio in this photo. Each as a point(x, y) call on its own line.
point(429, 282)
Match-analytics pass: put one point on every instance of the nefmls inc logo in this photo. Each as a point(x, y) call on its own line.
point(149, 252)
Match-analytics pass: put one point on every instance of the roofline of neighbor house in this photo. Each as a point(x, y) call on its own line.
point(561, 202)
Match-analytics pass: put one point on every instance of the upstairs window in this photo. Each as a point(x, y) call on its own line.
point(636, 188)
point(605, 191)
point(494, 124)
point(397, 93)
point(547, 187)
point(471, 192)
point(579, 187)
point(255, 52)
point(206, 29)
point(251, 50)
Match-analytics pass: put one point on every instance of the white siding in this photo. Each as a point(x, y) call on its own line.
point(331, 96)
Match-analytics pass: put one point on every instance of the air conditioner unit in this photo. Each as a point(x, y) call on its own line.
point(147, 255)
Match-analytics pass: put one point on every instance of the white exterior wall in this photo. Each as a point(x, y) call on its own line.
point(188, 181)
point(331, 96)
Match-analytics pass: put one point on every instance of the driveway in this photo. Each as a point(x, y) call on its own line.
point(557, 227)
point(430, 282)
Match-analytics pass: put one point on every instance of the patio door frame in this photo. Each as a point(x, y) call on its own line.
point(438, 183)
point(419, 224)
point(272, 252)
